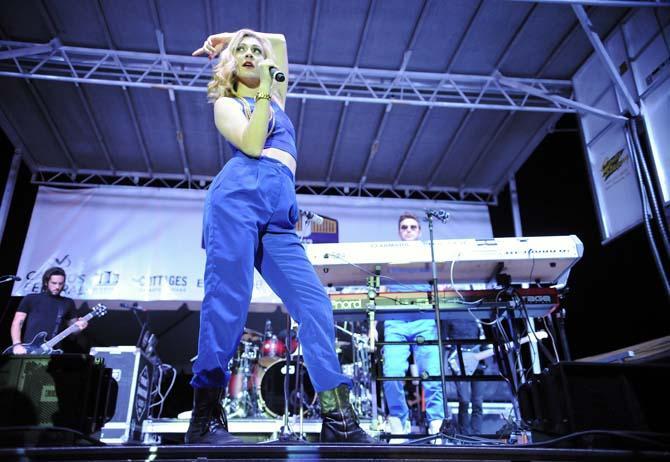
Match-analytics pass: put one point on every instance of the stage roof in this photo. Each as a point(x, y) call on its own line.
point(414, 98)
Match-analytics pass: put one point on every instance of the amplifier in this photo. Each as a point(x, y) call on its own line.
point(74, 391)
point(134, 374)
point(571, 397)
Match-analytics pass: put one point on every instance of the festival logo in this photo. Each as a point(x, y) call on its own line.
point(612, 164)
point(74, 283)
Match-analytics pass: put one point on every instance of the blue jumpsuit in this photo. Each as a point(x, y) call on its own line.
point(249, 219)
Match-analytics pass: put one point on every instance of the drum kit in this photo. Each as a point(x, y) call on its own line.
point(256, 387)
point(257, 383)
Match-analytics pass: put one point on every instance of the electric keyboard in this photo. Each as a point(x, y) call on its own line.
point(482, 304)
point(545, 260)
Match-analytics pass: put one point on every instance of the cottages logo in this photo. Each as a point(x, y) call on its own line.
point(152, 282)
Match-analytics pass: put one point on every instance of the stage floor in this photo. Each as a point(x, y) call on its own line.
point(261, 429)
point(57, 444)
point(314, 452)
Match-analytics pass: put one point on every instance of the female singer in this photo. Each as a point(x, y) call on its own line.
point(249, 219)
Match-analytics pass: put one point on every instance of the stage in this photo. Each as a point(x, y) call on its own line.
point(262, 441)
point(338, 452)
point(521, 135)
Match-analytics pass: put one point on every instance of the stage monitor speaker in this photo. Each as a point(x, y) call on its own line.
point(569, 397)
point(71, 390)
point(134, 374)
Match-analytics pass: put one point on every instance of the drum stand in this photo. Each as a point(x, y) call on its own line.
point(245, 404)
point(361, 375)
point(249, 399)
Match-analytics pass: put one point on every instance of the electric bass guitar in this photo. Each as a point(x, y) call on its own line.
point(471, 358)
point(39, 345)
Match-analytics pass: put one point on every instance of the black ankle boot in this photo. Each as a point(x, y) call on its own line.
point(208, 423)
point(340, 424)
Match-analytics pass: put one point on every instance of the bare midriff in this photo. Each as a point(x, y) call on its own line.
point(282, 156)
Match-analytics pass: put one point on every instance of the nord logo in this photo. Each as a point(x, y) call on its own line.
point(346, 304)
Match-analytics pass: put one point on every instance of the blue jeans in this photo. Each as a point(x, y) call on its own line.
point(427, 359)
point(249, 218)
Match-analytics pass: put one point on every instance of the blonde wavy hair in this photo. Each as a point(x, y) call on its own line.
point(224, 78)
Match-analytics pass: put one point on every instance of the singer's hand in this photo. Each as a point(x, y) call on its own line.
point(213, 45)
point(266, 78)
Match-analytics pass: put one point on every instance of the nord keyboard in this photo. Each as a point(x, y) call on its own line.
point(410, 306)
point(545, 260)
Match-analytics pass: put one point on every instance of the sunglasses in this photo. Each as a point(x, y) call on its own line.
point(412, 227)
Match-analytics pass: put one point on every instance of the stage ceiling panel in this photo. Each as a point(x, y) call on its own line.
point(393, 140)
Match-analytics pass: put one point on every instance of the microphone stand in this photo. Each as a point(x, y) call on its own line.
point(286, 436)
point(446, 429)
point(135, 308)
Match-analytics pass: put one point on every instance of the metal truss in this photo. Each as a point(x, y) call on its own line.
point(90, 178)
point(396, 192)
point(616, 3)
point(55, 62)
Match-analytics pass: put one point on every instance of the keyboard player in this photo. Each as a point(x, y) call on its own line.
point(396, 356)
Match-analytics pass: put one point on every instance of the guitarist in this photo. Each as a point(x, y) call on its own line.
point(47, 311)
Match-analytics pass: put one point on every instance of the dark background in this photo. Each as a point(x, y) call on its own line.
point(616, 296)
point(615, 299)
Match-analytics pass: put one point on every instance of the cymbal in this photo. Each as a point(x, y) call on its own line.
point(251, 335)
point(250, 338)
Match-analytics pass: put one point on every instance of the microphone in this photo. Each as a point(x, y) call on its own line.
point(276, 74)
point(135, 306)
point(440, 214)
point(9, 277)
point(311, 216)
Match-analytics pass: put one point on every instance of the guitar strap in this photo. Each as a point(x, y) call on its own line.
point(59, 318)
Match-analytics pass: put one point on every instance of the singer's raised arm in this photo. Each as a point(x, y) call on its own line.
point(279, 49)
point(216, 43)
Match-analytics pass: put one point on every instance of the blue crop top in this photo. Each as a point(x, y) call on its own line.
point(281, 134)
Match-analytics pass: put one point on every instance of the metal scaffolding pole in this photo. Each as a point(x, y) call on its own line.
point(604, 56)
point(8, 193)
point(518, 232)
point(615, 3)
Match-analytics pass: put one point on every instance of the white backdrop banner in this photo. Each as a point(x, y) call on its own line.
point(125, 243)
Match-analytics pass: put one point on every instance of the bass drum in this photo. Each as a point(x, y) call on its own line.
point(270, 389)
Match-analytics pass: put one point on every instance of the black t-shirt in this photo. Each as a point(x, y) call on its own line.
point(43, 310)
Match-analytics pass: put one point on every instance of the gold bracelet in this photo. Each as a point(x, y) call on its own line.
point(261, 95)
